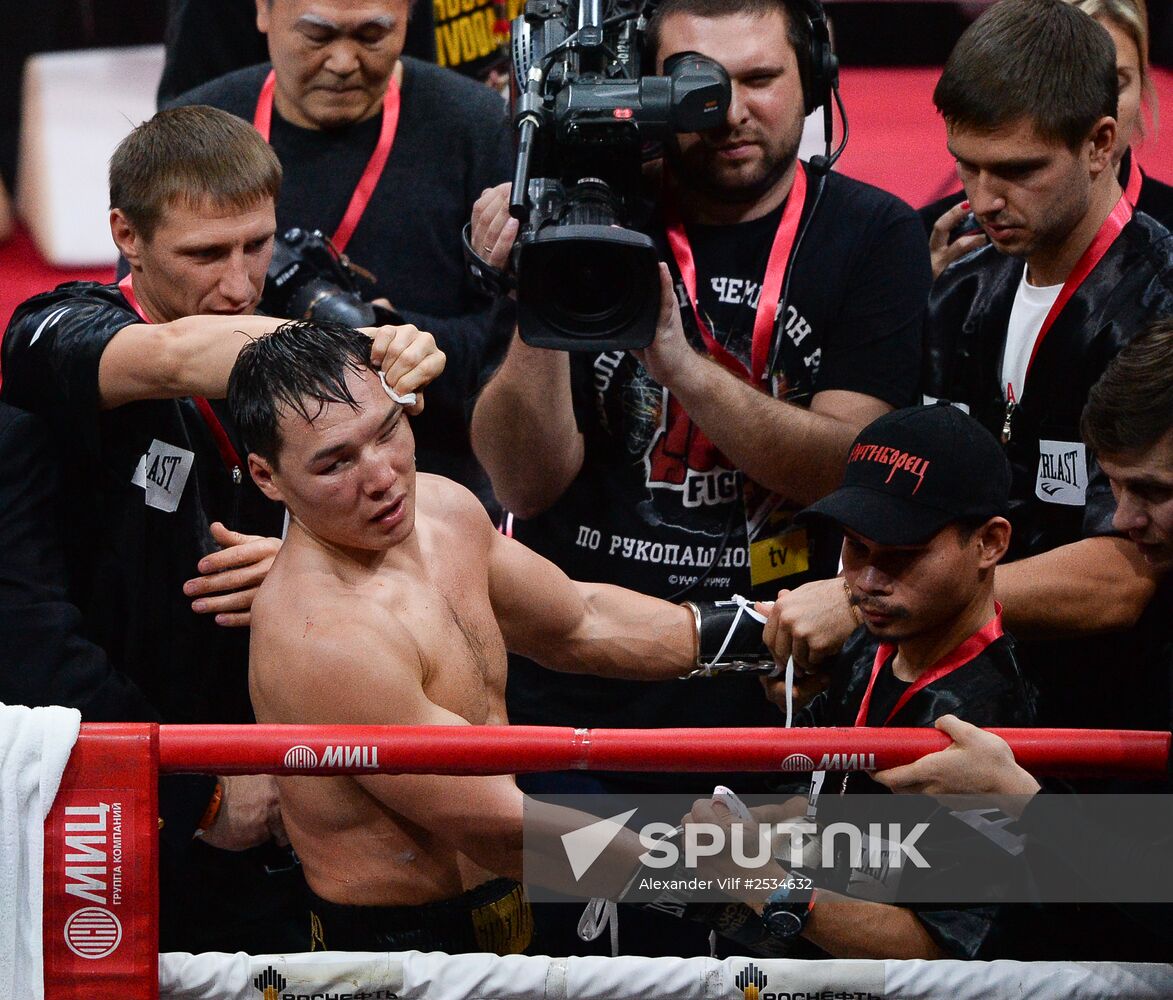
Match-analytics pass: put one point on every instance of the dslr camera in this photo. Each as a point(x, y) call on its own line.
point(309, 279)
point(585, 116)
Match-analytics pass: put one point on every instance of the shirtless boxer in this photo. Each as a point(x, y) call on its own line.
point(393, 600)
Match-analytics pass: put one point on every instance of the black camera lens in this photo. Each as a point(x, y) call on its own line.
point(308, 279)
point(588, 288)
point(590, 285)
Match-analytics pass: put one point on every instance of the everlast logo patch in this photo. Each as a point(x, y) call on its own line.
point(1062, 473)
point(895, 459)
point(1060, 467)
point(162, 473)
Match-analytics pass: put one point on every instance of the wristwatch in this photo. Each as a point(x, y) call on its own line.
point(785, 917)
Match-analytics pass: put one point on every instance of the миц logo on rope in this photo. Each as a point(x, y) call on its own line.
point(302, 756)
point(829, 762)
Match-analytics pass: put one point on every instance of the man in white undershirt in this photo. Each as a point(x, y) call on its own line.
point(1018, 332)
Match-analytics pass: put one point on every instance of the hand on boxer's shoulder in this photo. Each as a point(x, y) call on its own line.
point(229, 579)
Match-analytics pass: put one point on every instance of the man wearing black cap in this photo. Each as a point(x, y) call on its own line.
point(921, 507)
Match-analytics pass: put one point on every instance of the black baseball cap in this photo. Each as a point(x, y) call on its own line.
point(912, 472)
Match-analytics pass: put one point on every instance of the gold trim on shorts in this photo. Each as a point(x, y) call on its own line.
point(506, 925)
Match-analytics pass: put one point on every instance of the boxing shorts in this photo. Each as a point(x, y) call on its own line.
point(494, 917)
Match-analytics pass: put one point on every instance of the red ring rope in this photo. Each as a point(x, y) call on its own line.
point(519, 749)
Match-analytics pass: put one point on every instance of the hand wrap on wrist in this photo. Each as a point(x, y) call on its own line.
point(729, 638)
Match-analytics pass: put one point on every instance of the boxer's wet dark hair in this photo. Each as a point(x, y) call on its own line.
point(301, 366)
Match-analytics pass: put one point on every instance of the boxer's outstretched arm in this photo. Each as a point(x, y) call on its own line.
point(585, 628)
point(353, 664)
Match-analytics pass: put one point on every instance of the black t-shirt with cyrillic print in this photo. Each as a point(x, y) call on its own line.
point(656, 505)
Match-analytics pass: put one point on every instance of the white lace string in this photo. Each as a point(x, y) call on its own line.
point(744, 607)
point(600, 914)
point(789, 691)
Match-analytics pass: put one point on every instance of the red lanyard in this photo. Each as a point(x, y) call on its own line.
point(263, 119)
point(1112, 227)
point(224, 444)
point(1135, 180)
point(959, 657)
point(763, 326)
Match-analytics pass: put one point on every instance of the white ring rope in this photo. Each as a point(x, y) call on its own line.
point(435, 976)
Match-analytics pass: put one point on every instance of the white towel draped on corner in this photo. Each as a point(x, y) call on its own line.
point(35, 744)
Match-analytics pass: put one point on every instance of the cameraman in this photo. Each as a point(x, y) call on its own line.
point(160, 511)
point(385, 155)
point(646, 471)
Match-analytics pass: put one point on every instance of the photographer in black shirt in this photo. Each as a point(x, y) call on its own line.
point(385, 155)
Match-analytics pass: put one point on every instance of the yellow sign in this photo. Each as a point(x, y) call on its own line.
point(776, 556)
point(467, 30)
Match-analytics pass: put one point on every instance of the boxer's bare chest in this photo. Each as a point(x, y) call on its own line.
point(461, 650)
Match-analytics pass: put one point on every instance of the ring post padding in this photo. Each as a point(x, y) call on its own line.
point(101, 910)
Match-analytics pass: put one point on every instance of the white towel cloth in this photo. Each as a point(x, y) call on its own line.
point(35, 744)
